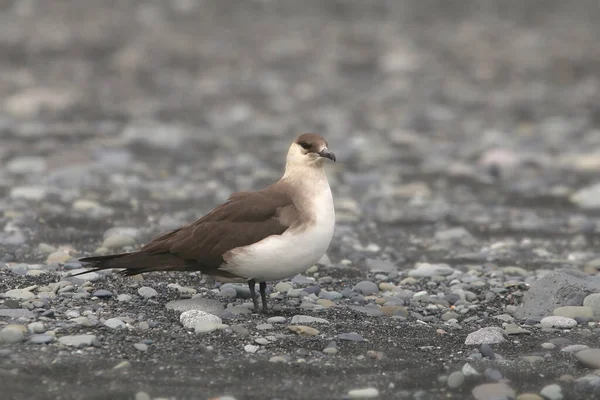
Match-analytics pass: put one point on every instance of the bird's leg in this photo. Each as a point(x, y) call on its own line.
point(251, 284)
point(263, 296)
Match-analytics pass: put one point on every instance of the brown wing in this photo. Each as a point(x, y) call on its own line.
point(246, 218)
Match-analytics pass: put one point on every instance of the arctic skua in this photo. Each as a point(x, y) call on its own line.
point(254, 237)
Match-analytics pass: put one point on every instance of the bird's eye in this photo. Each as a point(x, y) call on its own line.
point(304, 145)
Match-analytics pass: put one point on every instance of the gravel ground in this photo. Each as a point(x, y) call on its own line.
point(466, 255)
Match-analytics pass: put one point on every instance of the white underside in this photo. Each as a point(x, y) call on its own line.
point(283, 256)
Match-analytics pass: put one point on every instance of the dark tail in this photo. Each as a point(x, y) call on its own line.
point(136, 263)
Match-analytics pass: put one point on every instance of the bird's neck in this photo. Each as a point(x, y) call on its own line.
point(306, 176)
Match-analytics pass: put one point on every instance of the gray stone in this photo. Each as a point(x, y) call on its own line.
point(190, 318)
point(489, 335)
point(593, 301)
point(196, 303)
point(363, 393)
point(380, 266)
point(118, 241)
point(147, 292)
point(351, 336)
point(366, 288)
point(589, 358)
point(552, 392)
point(574, 348)
point(141, 347)
point(574, 311)
point(426, 270)
point(20, 294)
point(124, 298)
point(306, 319)
point(493, 391)
point(241, 291)
point(587, 198)
point(455, 380)
point(77, 340)
point(374, 312)
point(114, 323)
point(102, 293)
point(558, 322)
point(276, 320)
point(17, 313)
point(565, 287)
point(41, 339)
point(11, 335)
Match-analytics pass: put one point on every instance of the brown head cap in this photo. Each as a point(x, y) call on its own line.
point(313, 143)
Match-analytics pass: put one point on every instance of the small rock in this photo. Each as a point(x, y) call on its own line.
point(20, 294)
point(118, 241)
point(102, 293)
point(366, 288)
point(77, 340)
point(489, 335)
point(365, 393)
point(251, 348)
point(276, 320)
point(196, 303)
point(208, 326)
point(303, 330)
point(589, 358)
point(558, 322)
point(495, 391)
point(36, 327)
point(351, 337)
point(114, 323)
point(331, 348)
point(468, 370)
point(552, 392)
point(574, 311)
point(147, 292)
point(11, 335)
point(189, 319)
point(455, 380)
point(41, 339)
point(124, 298)
point(593, 301)
point(426, 270)
point(306, 319)
point(141, 347)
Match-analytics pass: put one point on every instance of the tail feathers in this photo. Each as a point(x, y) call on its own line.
point(137, 262)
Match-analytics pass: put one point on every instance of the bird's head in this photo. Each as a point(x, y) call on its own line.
point(309, 150)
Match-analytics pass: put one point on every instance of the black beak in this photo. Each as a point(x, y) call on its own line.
point(327, 154)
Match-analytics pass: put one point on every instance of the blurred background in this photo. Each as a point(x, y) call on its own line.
point(480, 113)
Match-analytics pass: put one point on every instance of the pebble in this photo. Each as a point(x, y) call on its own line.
point(306, 319)
point(303, 330)
point(41, 339)
point(114, 323)
point(589, 358)
point(593, 301)
point(208, 326)
point(455, 380)
point(552, 392)
point(141, 346)
point(276, 320)
point(495, 391)
point(147, 292)
point(558, 322)
point(468, 370)
point(279, 359)
point(124, 298)
point(189, 319)
point(283, 287)
point(11, 334)
point(365, 393)
point(102, 293)
point(366, 288)
point(426, 270)
point(587, 198)
point(36, 327)
point(16, 313)
point(351, 337)
point(574, 348)
point(529, 396)
point(77, 340)
point(574, 311)
point(196, 303)
point(489, 335)
point(118, 241)
point(251, 348)
point(331, 348)
point(20, 294)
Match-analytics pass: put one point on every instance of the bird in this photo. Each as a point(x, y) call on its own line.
point(255, 236)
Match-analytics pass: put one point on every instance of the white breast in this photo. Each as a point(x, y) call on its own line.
point(283, 256)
